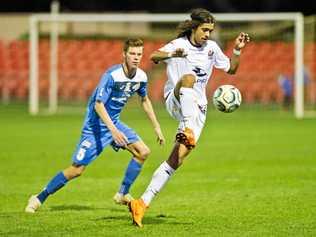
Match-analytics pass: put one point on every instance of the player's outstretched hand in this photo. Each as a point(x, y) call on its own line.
point(160, 137)
point(241, 41)
point(119, 138)
point(179, 53)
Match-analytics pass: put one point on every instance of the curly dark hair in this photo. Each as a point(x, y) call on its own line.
point(198, 17)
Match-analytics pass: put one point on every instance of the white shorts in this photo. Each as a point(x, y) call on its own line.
point(174, 109)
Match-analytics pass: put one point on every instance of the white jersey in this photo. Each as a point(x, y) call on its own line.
point(199, 61)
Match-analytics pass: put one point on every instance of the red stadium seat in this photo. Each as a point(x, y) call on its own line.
point(81, 63)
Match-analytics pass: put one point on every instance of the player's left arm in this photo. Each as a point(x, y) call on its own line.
point(240, 42)
point(148, 108)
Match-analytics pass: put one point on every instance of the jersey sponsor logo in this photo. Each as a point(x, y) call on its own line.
point(123, 91)
point(122, 88)
point(199, 72)
point(201, 80)
point(129, 86)
point(136, 86)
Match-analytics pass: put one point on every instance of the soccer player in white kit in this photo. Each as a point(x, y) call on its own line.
point(190, 59)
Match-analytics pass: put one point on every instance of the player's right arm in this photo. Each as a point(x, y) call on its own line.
point(159, 55)
point(103, 93)
point(117, 135)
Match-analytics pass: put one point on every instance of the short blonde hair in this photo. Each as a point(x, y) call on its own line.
point(132, 42)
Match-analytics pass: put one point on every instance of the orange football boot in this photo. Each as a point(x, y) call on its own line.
point(137, 208)
point(186, 138)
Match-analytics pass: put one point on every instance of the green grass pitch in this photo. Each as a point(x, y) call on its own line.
point(253, 173)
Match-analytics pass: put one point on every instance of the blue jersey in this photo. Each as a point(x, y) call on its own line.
point(286, 84)
point(113, 91)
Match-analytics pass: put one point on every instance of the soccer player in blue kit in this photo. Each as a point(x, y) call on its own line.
point(102, 126)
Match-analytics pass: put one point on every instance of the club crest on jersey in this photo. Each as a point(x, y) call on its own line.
point(210, 54)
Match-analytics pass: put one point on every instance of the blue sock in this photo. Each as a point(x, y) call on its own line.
point(55, 184)
point(43, 195)
point(131, 173)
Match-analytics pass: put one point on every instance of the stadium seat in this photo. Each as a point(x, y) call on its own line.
point(81, 62)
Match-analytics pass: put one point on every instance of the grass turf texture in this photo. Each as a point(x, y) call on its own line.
point(253, 173)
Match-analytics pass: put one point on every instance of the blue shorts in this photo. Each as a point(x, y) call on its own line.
point(91, 145)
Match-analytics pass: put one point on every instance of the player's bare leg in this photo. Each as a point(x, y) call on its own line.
point(158, 181)
point(140, 152)
point(178, 155)
point(185, 94)
point(73, 171)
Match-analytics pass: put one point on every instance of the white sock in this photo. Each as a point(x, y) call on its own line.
point(188, 105)
point(159, 179)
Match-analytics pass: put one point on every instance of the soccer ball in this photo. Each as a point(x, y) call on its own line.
point(227, 98)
